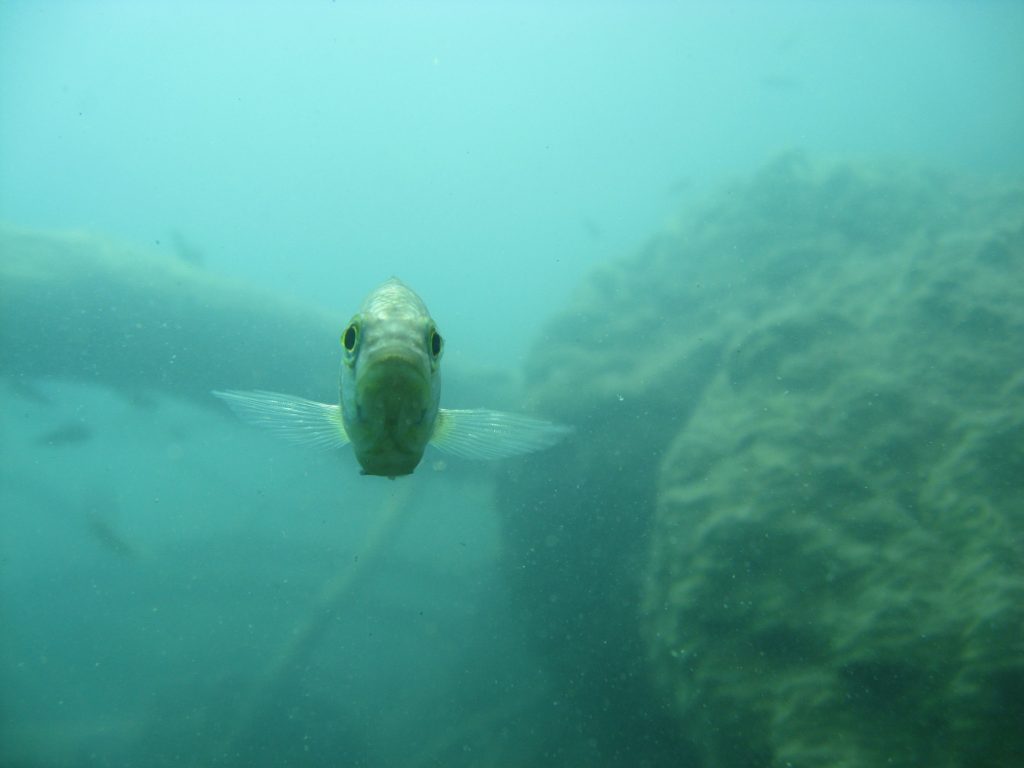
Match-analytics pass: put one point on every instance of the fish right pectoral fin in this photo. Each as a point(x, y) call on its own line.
point(293, 418)
point(482, 434)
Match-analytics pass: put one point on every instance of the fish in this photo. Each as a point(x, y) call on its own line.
point(389, 397)
point(69, 433)
point(102, 529)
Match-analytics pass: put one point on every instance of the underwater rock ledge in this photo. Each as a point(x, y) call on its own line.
point(795, 505)
point(86, 308)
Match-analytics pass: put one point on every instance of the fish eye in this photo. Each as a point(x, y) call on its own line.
point(436, 343)
point(348, 338)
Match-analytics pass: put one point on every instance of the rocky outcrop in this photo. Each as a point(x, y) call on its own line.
point(796, 502)
point(84, 307)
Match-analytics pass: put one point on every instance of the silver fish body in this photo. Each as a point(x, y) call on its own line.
point(389, 397)
point(390, 383)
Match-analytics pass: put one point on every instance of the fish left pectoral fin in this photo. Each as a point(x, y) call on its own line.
point(482, 434)
point(293, 418)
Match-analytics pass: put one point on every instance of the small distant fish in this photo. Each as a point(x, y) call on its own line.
point(185, 250)
point(67, 434)
point(28, 390)
point(103, 530)
point(390, 391)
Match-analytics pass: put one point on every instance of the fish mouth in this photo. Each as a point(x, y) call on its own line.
point(393, 388)
point(393, 411)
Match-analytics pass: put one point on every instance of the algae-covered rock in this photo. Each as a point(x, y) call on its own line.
point(796, 502)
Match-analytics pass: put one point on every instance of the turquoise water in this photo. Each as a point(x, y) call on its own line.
point(178, 589)
point(486, 155)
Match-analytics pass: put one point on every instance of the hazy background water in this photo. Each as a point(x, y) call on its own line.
point(156, 557)
point(486, 153)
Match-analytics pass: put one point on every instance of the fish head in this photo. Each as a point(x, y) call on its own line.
point(390, 380)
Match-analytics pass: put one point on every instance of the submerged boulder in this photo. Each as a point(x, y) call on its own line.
point(796, 502)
